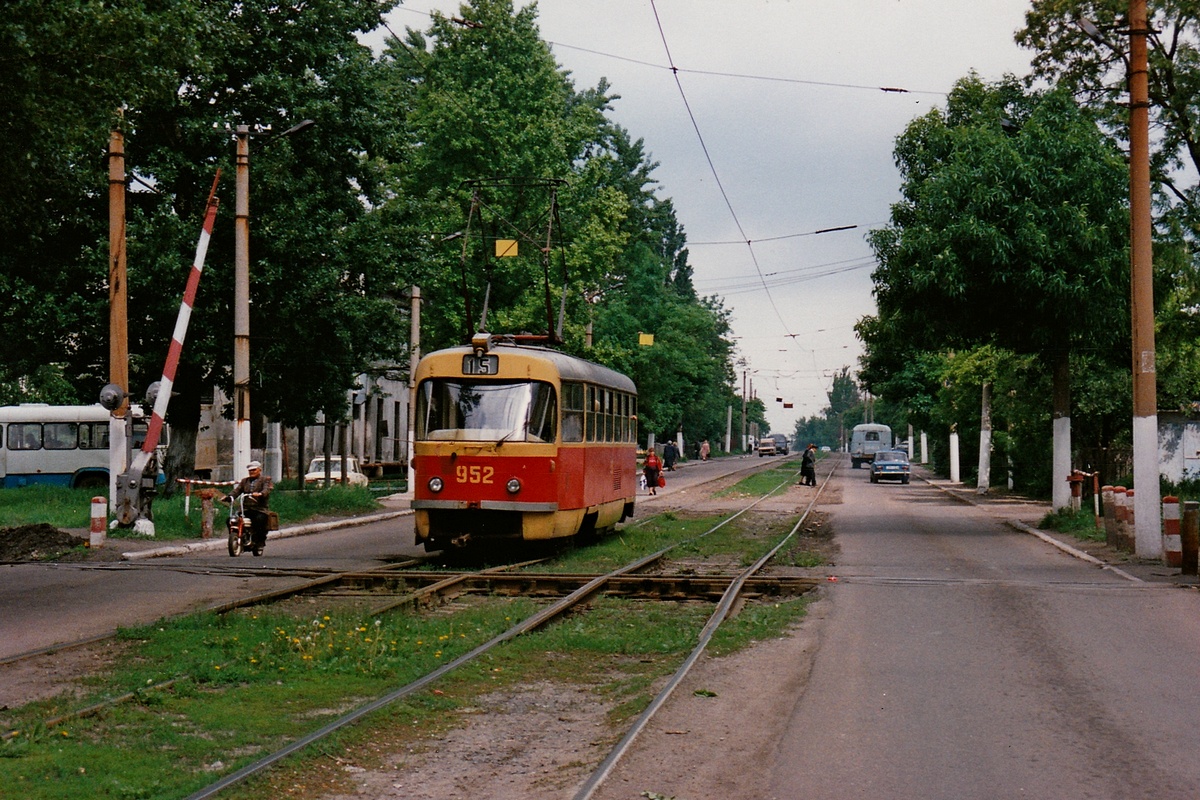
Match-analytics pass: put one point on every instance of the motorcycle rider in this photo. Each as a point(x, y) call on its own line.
point(257, 490)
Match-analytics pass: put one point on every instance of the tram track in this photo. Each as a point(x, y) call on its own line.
point(312, 577)
point(532, 623)
point(400, 585)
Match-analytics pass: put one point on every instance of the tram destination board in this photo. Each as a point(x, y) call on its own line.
point(480, 364)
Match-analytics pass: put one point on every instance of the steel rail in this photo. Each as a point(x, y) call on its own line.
point(552, 584)
point(529, 624)
point(606, 767)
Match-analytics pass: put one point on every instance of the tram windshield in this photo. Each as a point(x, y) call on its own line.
point(490, 411)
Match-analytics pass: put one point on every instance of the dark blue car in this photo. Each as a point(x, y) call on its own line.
point(890, 465)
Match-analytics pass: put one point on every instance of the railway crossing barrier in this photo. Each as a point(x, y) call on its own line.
point(1172, 546)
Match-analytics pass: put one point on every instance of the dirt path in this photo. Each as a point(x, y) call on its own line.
point(545, 740)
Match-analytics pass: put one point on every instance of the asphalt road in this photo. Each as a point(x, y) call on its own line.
point(963, 659)
point(51, 604)
point(959, 658)
point(45, 605)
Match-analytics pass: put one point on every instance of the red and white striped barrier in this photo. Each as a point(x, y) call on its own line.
point(1110, 515)
point(1130, 542)
point(188, 483)
point(1172, 543)
point(99, 526)
point(1121, 506)
point(181, 325)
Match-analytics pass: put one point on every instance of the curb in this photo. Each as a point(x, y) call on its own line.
point(218, 543)
point(1066, 548)
point(1023, 528)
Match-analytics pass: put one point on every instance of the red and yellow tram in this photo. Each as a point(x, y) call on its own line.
point(522, 443)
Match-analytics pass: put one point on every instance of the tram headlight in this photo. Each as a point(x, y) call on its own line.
point(513, 486)
point(436, 484)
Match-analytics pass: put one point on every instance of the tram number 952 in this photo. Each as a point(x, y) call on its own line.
point(474, 474)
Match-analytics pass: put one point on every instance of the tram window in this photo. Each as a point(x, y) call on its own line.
point(543, 414)
point(612, 416)
point(602, 420)
point(60, 435)
point(497, 411)
point(618, 404)
point(623, 417)
point(590, 410)
point(25, 436)
point(572, 414)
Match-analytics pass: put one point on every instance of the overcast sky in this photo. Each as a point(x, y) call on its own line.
point(799, 135)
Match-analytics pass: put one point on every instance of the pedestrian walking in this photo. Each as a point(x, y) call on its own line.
point(652, 470)
point(670, 456)
point(704, 450)
point(808, 466)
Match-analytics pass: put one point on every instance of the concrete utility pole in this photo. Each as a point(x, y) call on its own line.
point(1147, 503)
point(414, 356)
point(743, 446)
point(241, 299)
point(118, 314)
point(241, 308)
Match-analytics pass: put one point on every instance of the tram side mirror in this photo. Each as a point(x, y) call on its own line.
point(111, 396)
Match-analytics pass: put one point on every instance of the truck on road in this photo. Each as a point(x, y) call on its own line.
point(866, 440)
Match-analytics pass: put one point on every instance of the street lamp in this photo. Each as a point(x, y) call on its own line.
point(1147, 504)
point(241, 297)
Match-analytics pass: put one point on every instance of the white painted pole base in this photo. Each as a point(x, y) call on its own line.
point(1147, 503)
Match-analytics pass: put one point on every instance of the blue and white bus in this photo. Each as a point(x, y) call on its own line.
point(58, 445)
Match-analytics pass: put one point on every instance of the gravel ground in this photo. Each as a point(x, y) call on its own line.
point(545, 740)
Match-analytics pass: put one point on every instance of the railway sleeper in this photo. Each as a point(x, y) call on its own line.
point(419, 588)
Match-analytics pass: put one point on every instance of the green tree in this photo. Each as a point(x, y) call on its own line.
point(1096, 73)
point(418, 161)
point(495, 126)
point(495, 120)
point(1011, 232)
point(66, 71)
point(204, 68)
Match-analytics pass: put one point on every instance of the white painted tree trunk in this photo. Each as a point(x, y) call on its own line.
point(985, 440)
point(955, 471)
point(1147, 505)
point(1061, 461)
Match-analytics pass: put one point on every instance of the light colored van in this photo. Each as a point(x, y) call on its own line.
point(773, 444)
point(866, 440)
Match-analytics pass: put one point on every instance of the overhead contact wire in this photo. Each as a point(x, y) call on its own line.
point(713, 169)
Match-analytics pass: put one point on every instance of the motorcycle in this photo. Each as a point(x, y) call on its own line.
point(240, 529)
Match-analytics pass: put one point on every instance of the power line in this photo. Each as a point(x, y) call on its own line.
point(732, 286)
point(746, 76)
point(712, 167)
point(780, 238)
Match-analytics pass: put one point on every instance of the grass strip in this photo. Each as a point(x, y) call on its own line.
point(71, 508)
point(248, 682)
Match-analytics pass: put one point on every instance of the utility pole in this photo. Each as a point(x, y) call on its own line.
point(241, 308)
point(414, 357)
point(1147, 506)
point(118, 315)
point(241, 297)
point(743, 447)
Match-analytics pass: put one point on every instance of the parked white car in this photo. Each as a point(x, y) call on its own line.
point(316, 471)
